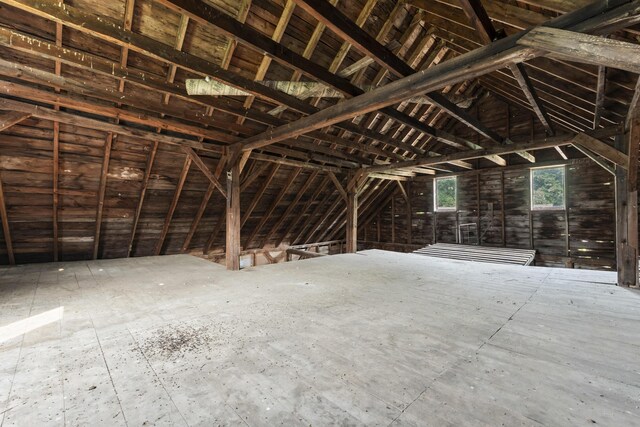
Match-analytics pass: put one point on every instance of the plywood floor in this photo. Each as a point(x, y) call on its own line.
point(374, 338)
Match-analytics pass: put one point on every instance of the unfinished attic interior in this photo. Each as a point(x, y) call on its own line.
point(319, 212)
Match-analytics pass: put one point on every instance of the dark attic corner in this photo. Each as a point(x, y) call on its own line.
point(319, 212)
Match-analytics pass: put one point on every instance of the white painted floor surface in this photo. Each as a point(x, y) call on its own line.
point(374, 338)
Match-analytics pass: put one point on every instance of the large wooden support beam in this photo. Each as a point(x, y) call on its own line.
point(352, 221)
point(10, 118)
point(603, 149)
point(584, 48)
point(5, 227)
point(101, 192)
point(232, 251)
point(174, 204)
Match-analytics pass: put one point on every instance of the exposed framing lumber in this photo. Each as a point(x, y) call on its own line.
point(601, 148)
point(345, 28)
point(584, 48)
point(143, 191)
point(77, 120)
point(232, 248)
point(596, 17)
point(551, 142)
point(174, 203)
point(600, 95)
point(304, 254)
point(204, 169)
point(352, 222)
point(55, 189)
point(274, 204)
point(290, 208)
point(203, 205)
point(10, 118)
point(478, 16)
point(5, 226)
point(101, 192)
point(338, 185)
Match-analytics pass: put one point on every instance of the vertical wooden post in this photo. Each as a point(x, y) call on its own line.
point(393, 219)
point(232, 251)
point(627, 207)
point(5, 227)
point(409, 215)
point(352, 220)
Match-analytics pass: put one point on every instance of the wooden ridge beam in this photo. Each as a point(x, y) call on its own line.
point(10, 118)
point(101, 192)
point(174, 203)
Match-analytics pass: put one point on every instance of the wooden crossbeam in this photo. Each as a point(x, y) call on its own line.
point(304, 254)
point(584, 48)
point(174, 203)
point(10, 118)
point(551, 142)
point(601, 148)
point(101, 192)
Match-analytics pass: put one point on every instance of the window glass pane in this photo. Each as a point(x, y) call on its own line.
point(547, 188)
point(446, 193)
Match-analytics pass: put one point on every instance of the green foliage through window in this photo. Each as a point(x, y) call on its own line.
point(547, 188)
point(446, 193)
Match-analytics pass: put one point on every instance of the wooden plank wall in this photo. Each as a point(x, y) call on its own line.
point(589, 217)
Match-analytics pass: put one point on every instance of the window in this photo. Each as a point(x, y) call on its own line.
point(446, 194)
point(547, 188)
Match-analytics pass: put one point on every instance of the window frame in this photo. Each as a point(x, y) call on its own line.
point(538, 208)
point(435, 194)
